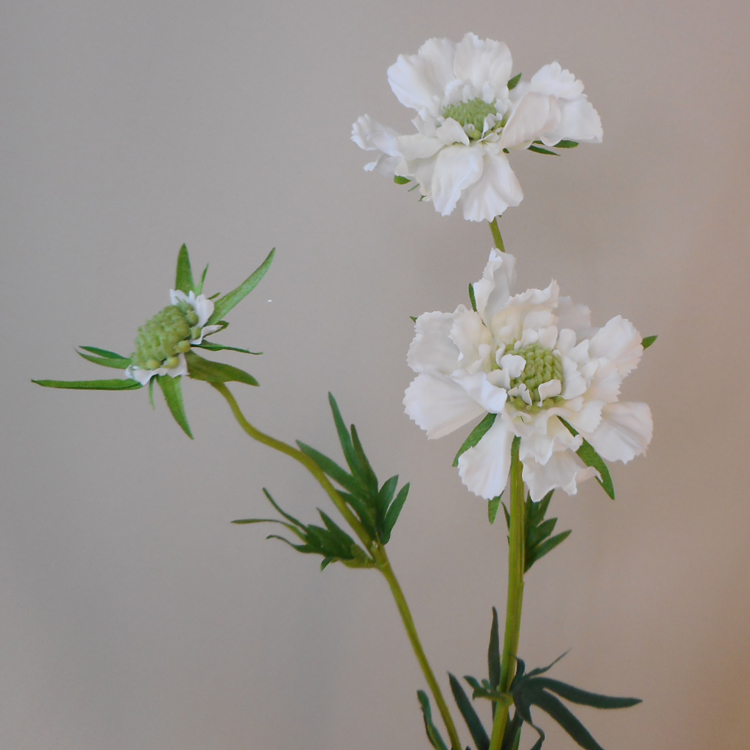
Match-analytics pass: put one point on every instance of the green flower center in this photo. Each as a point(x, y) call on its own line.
point(471, 113)
point(164, 337)
point(542, 365)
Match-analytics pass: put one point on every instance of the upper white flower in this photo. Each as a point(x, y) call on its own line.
point(163, 341)
point(532, 359)
point(468, 119)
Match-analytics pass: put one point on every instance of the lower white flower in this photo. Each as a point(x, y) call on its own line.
point(532, 360)
point(163, 341)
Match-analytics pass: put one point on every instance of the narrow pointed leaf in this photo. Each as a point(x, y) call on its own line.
point(513, 82)
point(394, 511)
point(478, 732)
point(344, 437)
point(590, 457)
point(564, 717)
point(433, 735)
point(513, 734)
point(566, 144)
point(647, 341)
point(401, 180)
point(119, 384)
point(542, 150)
point(367, 475)
point(385, 495)
point(151, 393)
point(118, 364)
point(542, 670)
point(102, 352)
point(216, 372)
point(172, 390)
point(545, 547)
point(199, 290)
point(493, 506)
point(221, 347)
point(184, 276)
point(583, 697)
point(472, 298)
point(286, 515)
point(476, 435)
point(493, 651)
point(230, 300)
point(330, 467)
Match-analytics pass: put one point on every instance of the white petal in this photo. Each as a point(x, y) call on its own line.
point(203, 307)
point(497, 189)
point(624, 432)
point(419, 81)
point(561, 471)
point(372, 136)
point(438, 405)
point(534, 115)
point(553, 80)
point(456, 168)
point(470, 336)
point(579, 121)
point(550, 389)
point(487, 64)
point(492, 292)
point(491, 397)
point(417, 146)
point(451, 132)
point(513, 364)
point(484, 468)
point(575, 317)
point(619, 342)
point(432, 349)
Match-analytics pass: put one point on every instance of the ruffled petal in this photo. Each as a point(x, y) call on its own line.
point(481, 389)
point(497, 189)
point(432, 349)
point(419, 81)
point(438, 405)
point(370, 135)
point(534, 115)
point(562, 471)
point(456, 168)
point(624, 432)
point(492, 291)
point(551, 79)
point(470, 336)
point(485, 63)
point(575, 317)
point(579, 121)
point(484, 468)
point(451, 132)
point(619, 342)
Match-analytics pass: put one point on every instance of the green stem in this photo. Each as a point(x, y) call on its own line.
point(516, 564)
point(375, 548)
point(384, 566)
point(496, 236)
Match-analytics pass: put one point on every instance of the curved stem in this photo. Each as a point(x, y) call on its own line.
point(384, 566)
point(516, 565)
point(496, 236)
point(375, 548)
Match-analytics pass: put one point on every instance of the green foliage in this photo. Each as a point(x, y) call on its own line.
point(539, 539)
point(216, 372)
point(401, 180)
point(172, 390)
point(472, 298)
point(493, 506)
point(119, 384)
point(566, 144)
point(377, 507)
point(542, 150)
point(223, 305)
point(475, 436)
point(513, 82)
point(647, 341)
point(211, 347)
point(329, 541)
point(433, 735)
point(590, 457)
point(184, 275)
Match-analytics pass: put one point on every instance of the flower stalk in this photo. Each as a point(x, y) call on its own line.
point(373, 546)
point(516, 565)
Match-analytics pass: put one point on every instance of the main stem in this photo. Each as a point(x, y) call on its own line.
point(516, 565)
point(375, 548)
point(496, 236)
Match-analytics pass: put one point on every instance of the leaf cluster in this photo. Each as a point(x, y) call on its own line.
point(527, 690)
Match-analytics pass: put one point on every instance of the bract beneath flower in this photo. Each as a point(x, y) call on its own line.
point(470, 115)
point(533, 360)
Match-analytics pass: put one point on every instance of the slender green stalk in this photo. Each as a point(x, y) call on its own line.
point(384, 566)
point(375, 548)
point(516, 564)
point(496, 236)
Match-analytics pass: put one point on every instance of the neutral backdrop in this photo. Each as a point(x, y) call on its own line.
point(133, 615)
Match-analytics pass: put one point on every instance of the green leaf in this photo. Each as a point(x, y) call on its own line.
point(476, 435)
point(151, 393)
point(647, 341)
point(344, 438)
point(330, 467)
point(583, 697)
point(545, 547)
point(478, 732)
point(590, 457)
point(119, 384)
point(493, 506)
point(364, 469)
point(540, 150)
point(385, 496)
point(172, 390)
point(394, 511)
point(118, 364)
point(184, 276)
point(216, 372)
point(199, 290)
point(513, 82)
point(401, 180)
point(220, 347)
point(566, 144)
point(493, 652)
point(230, 300)
point(413, 318)
point(102, 352)
point(563, 716)
point(472, 298)
point(433, 735)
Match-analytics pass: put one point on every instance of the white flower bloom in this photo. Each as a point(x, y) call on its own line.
point(533, 360)
point(468, 119)
point(163, 341)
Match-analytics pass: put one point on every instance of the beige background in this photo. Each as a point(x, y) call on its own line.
point(133, 616)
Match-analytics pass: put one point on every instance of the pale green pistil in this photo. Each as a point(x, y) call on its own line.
point(471, 113)
point(163, 338)
point(542, 365)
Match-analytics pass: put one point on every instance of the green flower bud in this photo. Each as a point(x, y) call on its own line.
point(161, 339)
point(471, 113)
point(542, 365)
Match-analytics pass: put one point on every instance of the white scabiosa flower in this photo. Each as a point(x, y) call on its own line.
point(470, 114)
point(534, 363)
point(164, 340)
